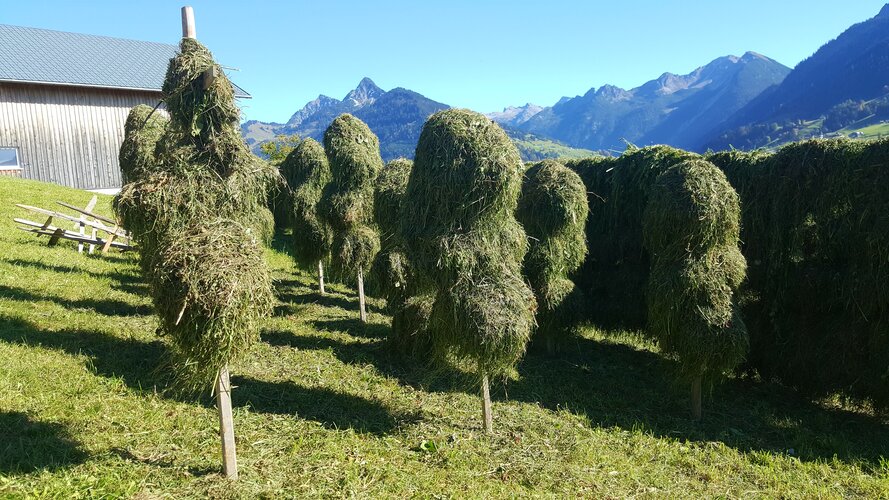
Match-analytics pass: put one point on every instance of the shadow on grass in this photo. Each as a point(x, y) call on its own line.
point(135, 362)
point(131, 283)
point(353, 327)
point(107, 307)
point(615, 384)
point(418, 374)
point(118, 276)
point(330, 408)
point(27, 445)
point(291, 291)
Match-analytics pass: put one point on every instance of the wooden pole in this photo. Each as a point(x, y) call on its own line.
point(486, 405)
point(362, 310)
point(696, 399)
point(188, 30)
point(321, 277)
point(226, 424)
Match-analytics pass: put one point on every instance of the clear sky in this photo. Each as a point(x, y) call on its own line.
point(479, 54)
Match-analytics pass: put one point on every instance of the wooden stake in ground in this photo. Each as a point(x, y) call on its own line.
point(321, 277)
point(362, 310)
point(696, 399)
point(226, 424)
point(487, 415)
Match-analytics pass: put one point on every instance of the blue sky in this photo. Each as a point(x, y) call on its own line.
point(483, 55)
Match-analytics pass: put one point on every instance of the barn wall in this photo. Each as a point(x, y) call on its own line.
point(67, 135)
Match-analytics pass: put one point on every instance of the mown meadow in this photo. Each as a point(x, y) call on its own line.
point(324, 407)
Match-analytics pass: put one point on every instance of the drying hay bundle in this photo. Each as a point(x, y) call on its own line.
point(553, 210)
point(391, 271)
point(211, 302)
point(461, 235)
point(307, 171)
point(691, 229)
point(346, 204)
point(199, 217)
point(615, 274)
point(142, 130)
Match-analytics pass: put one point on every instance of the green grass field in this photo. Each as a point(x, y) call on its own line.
point(323, 409)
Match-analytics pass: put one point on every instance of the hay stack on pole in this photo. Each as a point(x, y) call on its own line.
point(691, 228)
point(391, 272)
point(346, 203)
point(461, 235)
point(196, 217)
point(306, 171)
point(553, 210)
point(143, 128)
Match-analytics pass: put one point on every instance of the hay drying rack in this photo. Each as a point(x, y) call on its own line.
point(114, 236)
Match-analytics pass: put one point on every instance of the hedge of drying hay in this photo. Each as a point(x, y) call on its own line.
point(462, 237)
point(615, 274)
point(691, 227)
point(143, 128)
point(346, 203)
point(199, 217)
point(816, 235)
point(553, 210)
point(306, 172)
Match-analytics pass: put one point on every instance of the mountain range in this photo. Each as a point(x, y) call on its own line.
point(396, 116)
point(845, 81)
point(747, 101)
point(673, 109)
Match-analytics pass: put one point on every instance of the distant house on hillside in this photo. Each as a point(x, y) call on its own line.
point(64, 98)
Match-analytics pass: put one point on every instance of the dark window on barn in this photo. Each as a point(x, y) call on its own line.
point(9, 158)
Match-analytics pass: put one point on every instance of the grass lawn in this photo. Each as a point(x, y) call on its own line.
point(323, 409)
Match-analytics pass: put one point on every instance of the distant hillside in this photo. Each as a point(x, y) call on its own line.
point(680, 110)
point(844, 80)
point(396, 116)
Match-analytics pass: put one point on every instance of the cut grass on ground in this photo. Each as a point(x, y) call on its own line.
point(323, 409)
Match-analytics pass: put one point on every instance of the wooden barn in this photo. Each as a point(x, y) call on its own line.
point(64, 98)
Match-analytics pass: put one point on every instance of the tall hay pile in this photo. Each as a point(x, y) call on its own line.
point(553, 210)
point(198, 223)
point(691, 229)
point(143, 128)
point(391, 272)
point(306, 171)
point(615, 274)
point(142, 131)
point(346, 204)
point(461, 235)
point(816, 233)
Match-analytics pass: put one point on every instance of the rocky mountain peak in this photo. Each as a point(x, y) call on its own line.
point(365, 93)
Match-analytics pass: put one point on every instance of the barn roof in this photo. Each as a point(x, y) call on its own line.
point(61, 58)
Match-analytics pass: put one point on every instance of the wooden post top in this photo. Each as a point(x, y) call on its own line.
point(188, 29)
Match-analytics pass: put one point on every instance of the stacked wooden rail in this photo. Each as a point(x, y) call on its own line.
point(105, 233)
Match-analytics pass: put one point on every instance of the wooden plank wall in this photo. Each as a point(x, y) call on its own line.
point(68, 135)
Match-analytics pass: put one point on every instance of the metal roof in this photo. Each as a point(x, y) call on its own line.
point(60, 58)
